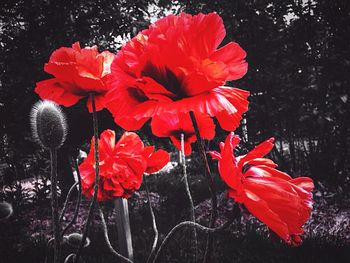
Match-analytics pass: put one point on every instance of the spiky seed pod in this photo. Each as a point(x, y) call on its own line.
point(6, 210)
point(49, 124)
point(75, 239)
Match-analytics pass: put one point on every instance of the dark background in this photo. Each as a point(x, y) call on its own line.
point(299, 68)
point(299, 64)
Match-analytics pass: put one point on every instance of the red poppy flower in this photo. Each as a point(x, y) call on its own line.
point(156, 160)
point(122, 165)
point(77, 72)
point(174, 66)
point(284, 204)
point(173, 125)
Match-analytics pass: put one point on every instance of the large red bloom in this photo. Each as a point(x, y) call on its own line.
point(77, 72)
point(174, 66)
point(284, 204)
point(173, 125)
point(122, 165)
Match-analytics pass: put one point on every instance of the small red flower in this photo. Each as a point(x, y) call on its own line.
point(284, 204)
point(173, 125)
point(122, 165)
point(174, 66)
point(77, 72)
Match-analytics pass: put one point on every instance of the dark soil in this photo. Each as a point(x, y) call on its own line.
point(326, 239)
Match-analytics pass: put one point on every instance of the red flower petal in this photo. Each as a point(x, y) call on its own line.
point(259, 151)
point(173, 125)
point(233, 56)
point(155, 160)
point(57, 91)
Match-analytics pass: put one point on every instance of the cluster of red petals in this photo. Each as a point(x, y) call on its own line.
point(174, 67)
point(173, 125)
point(122, 165)
point(78, 72)
point(284, 204)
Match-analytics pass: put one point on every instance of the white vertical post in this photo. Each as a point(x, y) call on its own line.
point(123, 226)
point(245, 128)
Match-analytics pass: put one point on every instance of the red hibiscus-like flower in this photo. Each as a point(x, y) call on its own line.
point(284, 204)
point(174, 66)
point(122, 165)
point(78, 72)
point(173, 125)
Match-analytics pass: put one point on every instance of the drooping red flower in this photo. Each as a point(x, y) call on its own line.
point(284, 204)
point(175, 66)
point(122, 165)
point(78, 72)
point(173, 125)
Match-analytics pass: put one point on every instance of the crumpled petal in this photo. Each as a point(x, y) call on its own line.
point(174, 67)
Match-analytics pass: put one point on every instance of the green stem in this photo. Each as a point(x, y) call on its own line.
point(187, 186)
point(54, 205)
point(65, 205)
point(77, 206)
point(105, 233)
point(154, 223)
point(214, 213)
point(97, 171)
point(189, 224)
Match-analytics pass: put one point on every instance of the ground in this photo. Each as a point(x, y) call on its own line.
point(326, 239)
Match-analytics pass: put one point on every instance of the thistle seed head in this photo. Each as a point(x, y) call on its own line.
point(49, 125)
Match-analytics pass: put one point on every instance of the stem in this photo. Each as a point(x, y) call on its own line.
point(193, 215)
point(66, 202)
point(67, 260)
point(71, 256)
point(47, 248)
point(105, 232)
point(77, 207)
point(210, 180)
point(97, 171)
point(154, 223)
point(190, 224)
point(54, 205)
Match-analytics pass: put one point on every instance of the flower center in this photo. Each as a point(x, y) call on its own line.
point(166, 78)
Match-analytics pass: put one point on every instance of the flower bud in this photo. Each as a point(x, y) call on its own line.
point(6, 210)
point(75, 239)
point(49, 124)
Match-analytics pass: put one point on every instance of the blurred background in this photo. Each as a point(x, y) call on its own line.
point(299, 72)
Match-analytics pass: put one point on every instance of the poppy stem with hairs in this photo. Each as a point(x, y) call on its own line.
point(211, 184)
point(201, 228)
point(54, 205)
point(105, 232)
point(97, 171)
point(154, 223)
point(77, 206)
point(193, 215)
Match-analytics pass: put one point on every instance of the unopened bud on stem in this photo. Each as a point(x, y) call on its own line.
point(49, 124)
point(6, 210)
